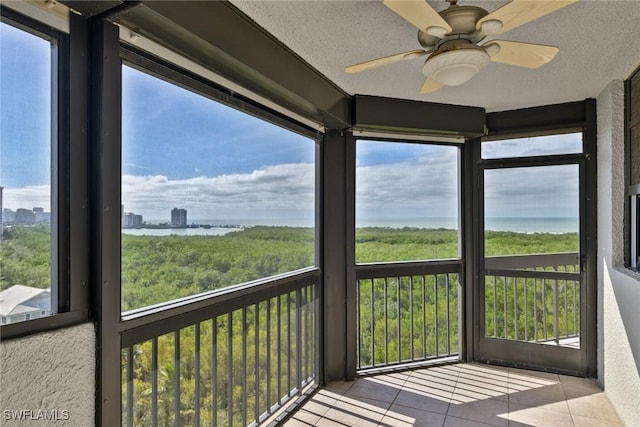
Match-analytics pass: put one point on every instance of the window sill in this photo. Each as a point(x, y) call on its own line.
point(42, 324)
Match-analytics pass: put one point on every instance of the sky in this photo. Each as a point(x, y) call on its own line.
point(25, 124)
point(181, 149)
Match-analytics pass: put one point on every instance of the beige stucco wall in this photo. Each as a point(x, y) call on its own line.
point(618, 288)
point(53, 371)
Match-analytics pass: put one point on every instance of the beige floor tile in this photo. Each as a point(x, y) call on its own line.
point(459, 396)
point(423, 401)
point(593, 407)
point(377, 388)
point(485, 368)
point(302, 418)
point(462, 396)
point(573, 379)
point(402, 416)
point(295, 422)
point(339, 387)
point(460, 422)
point(429, 386)
point(478, 390)
point(486, 380)
point(580, 421)
point(487, 411)
point(559, 406)
point(359, 412)
point(320, 403)
point(535, 416)
point(532, 378)
point(396, 377)
point(580, 387)
point(546, 395)
point(326, 422)
point(437, 377)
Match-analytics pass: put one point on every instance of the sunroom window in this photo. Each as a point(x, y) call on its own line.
point(211, 196)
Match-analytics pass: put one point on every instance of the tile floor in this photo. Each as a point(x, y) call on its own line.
point(458, 396)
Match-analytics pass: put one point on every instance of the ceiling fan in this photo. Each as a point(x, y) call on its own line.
point(451, 39)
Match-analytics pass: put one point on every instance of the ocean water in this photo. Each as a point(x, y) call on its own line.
point(533, 225)
point(520, 225)
point(179, 231)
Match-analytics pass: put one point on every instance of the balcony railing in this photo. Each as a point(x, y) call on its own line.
point(407, 313)
point(228, 357)
point(533, 298)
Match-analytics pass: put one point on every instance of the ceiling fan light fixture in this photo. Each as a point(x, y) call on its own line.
point(455, 67)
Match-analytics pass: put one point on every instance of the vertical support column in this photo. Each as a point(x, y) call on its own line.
point(60, 295)
point(589, 214)
point(472, 245)
point(105, 164)
point(78, 186)
point(338, 210)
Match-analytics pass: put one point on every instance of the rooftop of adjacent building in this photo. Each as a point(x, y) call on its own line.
point(17, 298)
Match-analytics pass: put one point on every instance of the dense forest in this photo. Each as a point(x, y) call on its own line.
point(159, 269)
point(400, 318)
point(25, 257)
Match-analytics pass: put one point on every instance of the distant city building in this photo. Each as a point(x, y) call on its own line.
point(22, 216)
point(130, 219)
point(25, 216)
point(179, 217)
point(39, 215)
point(19, 303)
point(8, 216)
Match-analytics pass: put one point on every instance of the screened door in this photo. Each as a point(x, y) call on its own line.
point(531, 282)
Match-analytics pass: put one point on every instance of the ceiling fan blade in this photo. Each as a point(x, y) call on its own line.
point(430, 85)
point(420, 15)
point(526, 55)
point(375, 63)
point(519, 12)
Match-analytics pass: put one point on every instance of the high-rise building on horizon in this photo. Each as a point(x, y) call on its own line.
point(179, 217)
point(130, 219)
point(25, 216)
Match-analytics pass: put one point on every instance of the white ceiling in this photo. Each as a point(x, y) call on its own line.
point(599, 41)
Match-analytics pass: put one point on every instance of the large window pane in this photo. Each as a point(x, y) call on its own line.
point(25, 175)
point(569, 143)
point(532, 210)
point(407, 201)
point(211, 196)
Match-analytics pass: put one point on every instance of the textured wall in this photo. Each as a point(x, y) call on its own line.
point(618, 288)
point(53, 371)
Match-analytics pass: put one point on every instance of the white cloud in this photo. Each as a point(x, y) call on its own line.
point(425, 187)
point(419, 188)
point(27, 197)
point(285, 190)
point(533, 146)
point(548, 191)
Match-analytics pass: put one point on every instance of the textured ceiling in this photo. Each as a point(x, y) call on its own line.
point(599, 41)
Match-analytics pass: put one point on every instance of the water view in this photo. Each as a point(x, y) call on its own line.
point(219, 227)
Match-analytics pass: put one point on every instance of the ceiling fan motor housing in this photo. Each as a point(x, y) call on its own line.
point(453, 66)
point(457, 58)
point(463, 19)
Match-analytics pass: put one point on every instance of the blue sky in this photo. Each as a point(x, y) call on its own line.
point(181, 149)
point(163, 123)
point(25, 105)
